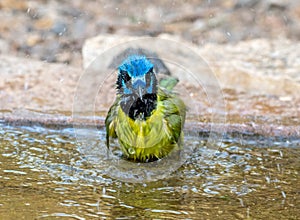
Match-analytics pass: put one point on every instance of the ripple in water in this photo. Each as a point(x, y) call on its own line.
point(45, 170)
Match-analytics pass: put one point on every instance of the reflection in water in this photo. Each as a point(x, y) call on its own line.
point(44, 175)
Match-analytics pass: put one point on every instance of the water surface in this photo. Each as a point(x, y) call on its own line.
point(44, 175)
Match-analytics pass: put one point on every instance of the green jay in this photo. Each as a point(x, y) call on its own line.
point(147, 117)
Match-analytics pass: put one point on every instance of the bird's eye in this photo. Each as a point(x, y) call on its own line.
point(149, 76)
point(125, 76)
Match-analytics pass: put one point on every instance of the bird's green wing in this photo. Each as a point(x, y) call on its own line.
point(110, 123)
point(174, 112)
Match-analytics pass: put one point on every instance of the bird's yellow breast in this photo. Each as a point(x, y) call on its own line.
point(153, 138)
point(141, 133)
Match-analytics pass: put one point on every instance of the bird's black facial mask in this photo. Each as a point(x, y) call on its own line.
point(137, 88)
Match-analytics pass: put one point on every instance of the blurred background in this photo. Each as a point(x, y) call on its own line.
point(54, 31)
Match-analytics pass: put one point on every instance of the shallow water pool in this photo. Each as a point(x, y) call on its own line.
point(44, 175)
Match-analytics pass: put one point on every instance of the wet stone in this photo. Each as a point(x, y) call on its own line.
point(260, 98)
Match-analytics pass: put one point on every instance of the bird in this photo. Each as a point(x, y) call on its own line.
point(147, 116)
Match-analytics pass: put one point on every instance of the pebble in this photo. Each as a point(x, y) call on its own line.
point(33, 39)
point(14, 4)
point(59, 28)
point(44, 23)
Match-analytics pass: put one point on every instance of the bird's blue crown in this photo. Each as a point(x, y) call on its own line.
point(136, 65)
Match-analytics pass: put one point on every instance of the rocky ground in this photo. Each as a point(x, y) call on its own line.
point(54, 31)
point(252, 47)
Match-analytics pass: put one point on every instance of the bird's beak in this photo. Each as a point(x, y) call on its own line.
point(139, 85)
point(141, 92)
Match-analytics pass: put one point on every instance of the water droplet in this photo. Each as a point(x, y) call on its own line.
point(131, 151)
point(25, 86)
point(283, 194)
